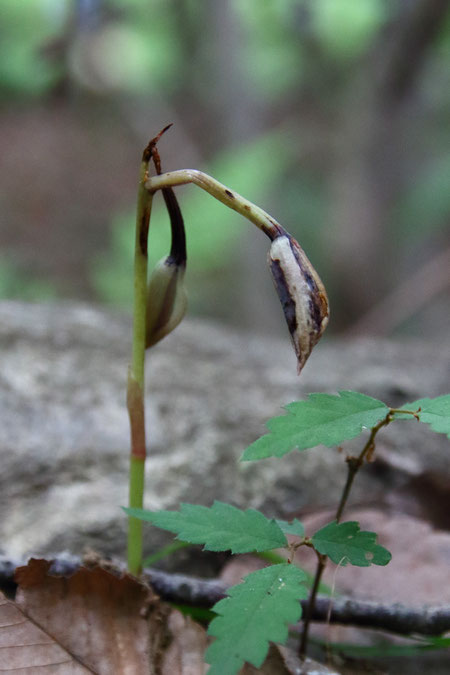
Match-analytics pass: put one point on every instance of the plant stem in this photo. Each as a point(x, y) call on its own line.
point(321, 563)
point(353, 466)
point(355, 463)
point(164, 552)
point(136, 374)
point(232, 199)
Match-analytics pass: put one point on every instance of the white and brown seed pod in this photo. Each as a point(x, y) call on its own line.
point(302, 295)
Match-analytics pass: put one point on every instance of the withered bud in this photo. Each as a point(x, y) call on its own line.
point(166, 294)
point(302, 295)
point(166, 299)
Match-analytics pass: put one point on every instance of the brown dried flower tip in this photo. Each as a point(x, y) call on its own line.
point(302, 295)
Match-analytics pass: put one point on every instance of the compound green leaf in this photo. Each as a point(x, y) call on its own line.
point(257, 611)
point(433, 411)
point(220, 527)
point(345, 543)
point(324, 419)
point(294, 527)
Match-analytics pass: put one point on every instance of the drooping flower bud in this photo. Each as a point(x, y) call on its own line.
point(166, 299)
point(302, 295)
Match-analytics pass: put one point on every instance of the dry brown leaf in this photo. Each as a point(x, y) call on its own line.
point(23, 646)
point(111, 623)
point(273, 665)
point(296, 666)
point(185, 653)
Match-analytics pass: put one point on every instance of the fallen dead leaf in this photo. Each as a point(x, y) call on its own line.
point(23, 646)
point(112, 623)
point(307, 666)
point(274, 664)
point(185, 653)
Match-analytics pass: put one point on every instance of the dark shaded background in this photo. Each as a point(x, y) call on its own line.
point(330, 114)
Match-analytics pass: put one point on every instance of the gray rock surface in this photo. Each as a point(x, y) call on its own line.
point(64, 428)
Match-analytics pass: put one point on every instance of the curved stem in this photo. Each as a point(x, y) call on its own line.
point(232, 199)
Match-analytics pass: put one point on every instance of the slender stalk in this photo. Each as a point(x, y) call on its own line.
point(232, 199)
point(164, 552)
point(321, 563)
point(136, 374)
point(355, 463)
point(353, 466)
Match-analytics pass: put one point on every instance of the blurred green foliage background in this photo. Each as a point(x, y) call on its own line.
point(330, 114)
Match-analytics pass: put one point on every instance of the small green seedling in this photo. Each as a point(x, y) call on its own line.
point(261, 608)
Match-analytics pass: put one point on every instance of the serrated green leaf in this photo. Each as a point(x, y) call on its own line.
point(256, 611)
point(433, 411)
point(294, 527)
point(345, 543)
point(221, 527)
point(324, 419)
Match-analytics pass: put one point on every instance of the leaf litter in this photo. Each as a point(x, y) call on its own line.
point(95, 621)
point(103, 621)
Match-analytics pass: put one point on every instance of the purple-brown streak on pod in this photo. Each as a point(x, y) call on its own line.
point(302, 295)
point(166, 294)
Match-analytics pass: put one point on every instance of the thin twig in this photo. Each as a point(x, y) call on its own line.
point(310, 607)
point(183, 589)
point(355, 463)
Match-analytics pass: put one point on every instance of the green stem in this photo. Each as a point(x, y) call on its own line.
point(136, 498)
point(230, 198)
point(164, 552)
point(136, 375)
